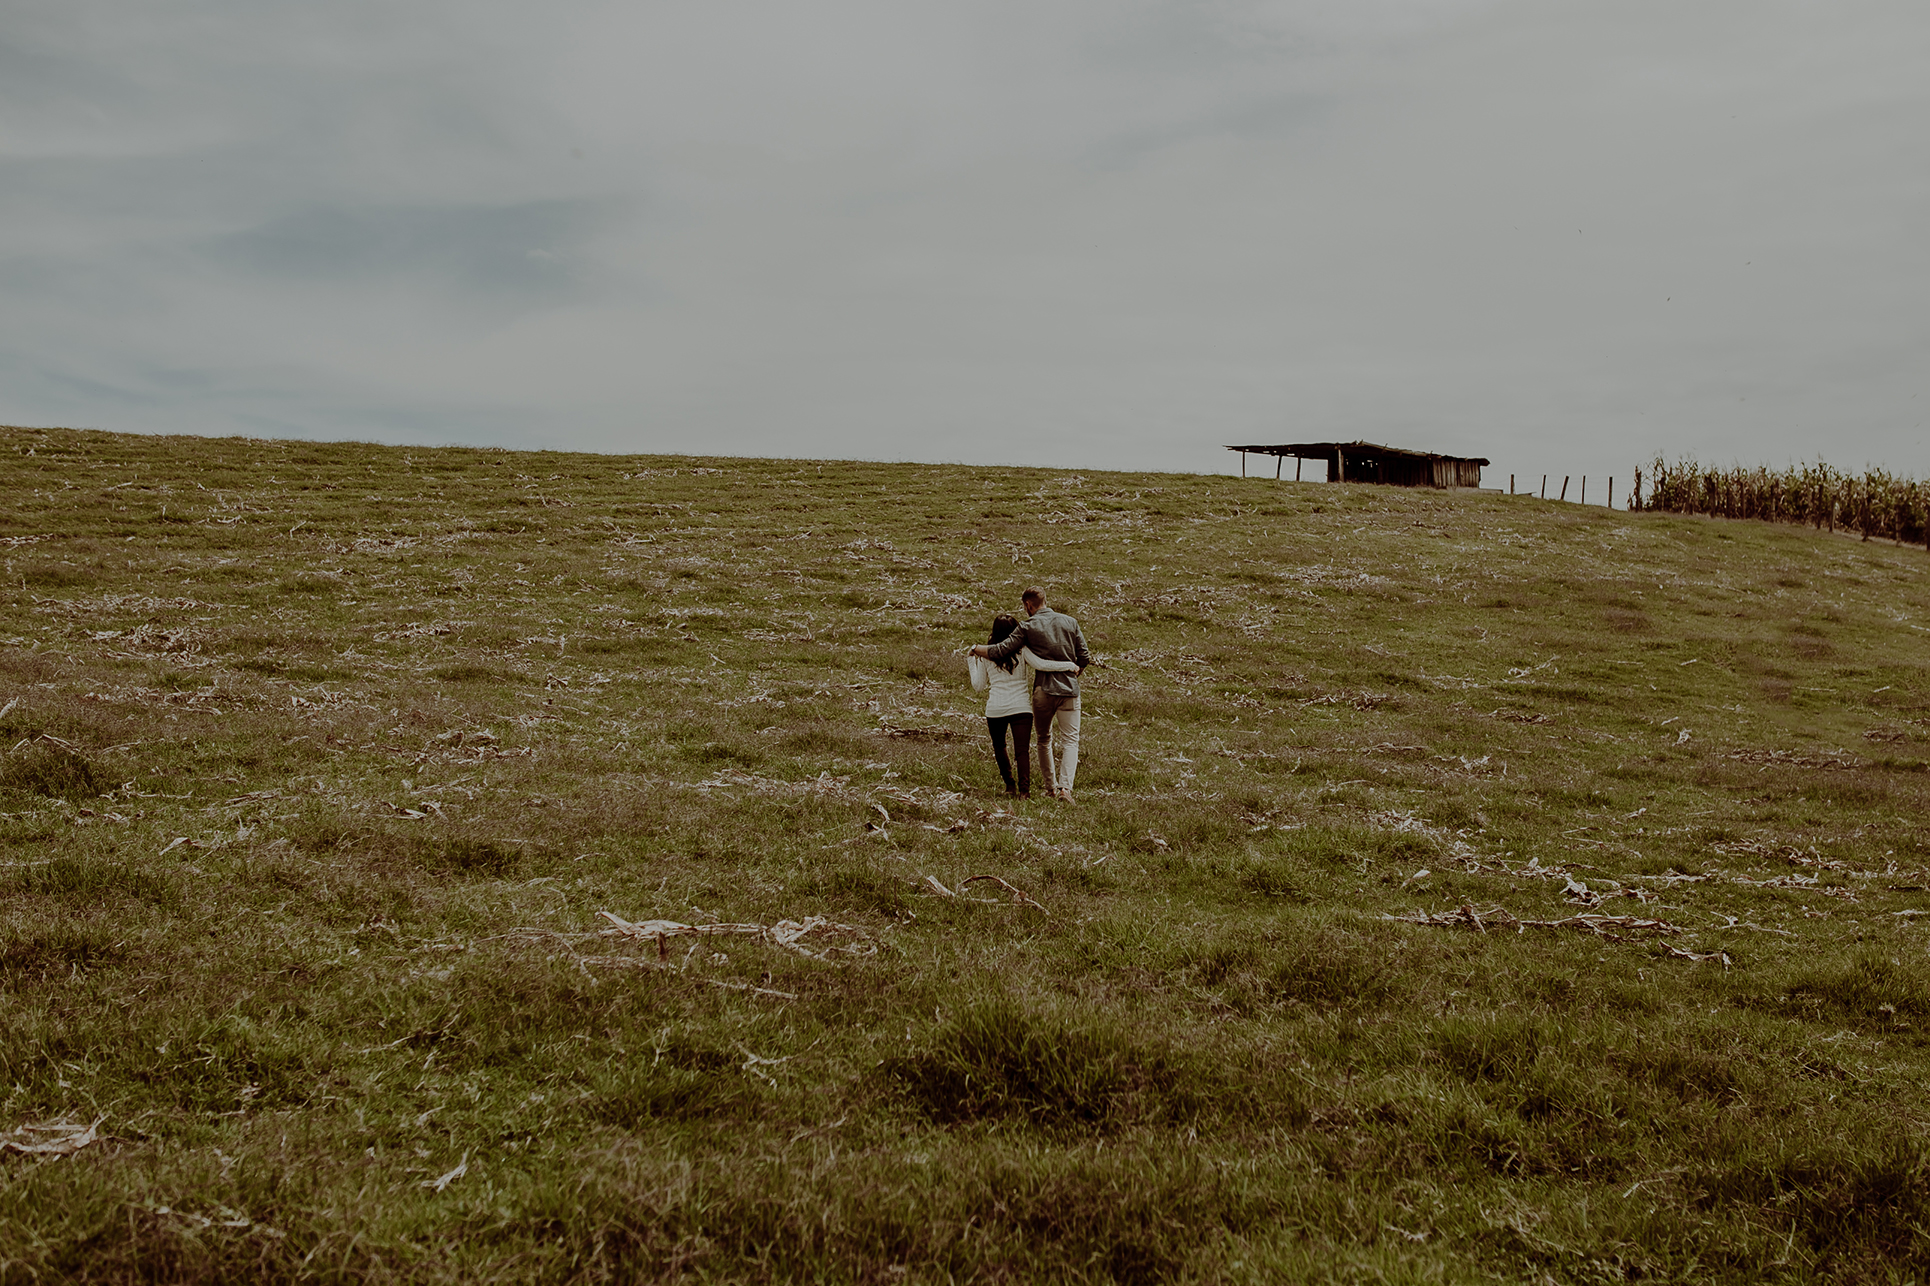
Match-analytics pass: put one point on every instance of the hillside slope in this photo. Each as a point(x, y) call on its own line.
point(1458, 884)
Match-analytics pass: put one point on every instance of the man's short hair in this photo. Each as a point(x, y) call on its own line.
point(1032, 595)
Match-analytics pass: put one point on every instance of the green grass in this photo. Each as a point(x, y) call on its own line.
point(319, 762)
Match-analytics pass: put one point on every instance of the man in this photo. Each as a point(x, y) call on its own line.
point(1055, 698)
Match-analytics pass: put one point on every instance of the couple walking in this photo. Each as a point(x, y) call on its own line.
point(1046, 647)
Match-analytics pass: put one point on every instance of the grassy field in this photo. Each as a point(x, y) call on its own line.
point(1460, 886)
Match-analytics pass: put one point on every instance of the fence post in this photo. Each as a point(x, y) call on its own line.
point(1511, 484)
point(1564, 487)
point(1544, 486)
point(1611, 493)
point(1584, 499)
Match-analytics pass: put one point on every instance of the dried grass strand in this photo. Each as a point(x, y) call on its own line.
point(788, 934)
point(69, 1137)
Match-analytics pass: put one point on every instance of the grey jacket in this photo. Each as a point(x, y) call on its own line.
point(1054, 636)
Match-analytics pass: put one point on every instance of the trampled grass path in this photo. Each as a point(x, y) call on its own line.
point(448, 865)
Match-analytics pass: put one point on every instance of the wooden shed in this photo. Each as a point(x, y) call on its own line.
point(1368, 462)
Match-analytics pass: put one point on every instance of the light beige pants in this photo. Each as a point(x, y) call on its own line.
point(1056, 718)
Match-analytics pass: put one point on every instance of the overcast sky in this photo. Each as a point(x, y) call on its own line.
point(1086, 234)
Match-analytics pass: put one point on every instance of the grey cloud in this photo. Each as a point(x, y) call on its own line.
point(531, 252)
point(1562, 235)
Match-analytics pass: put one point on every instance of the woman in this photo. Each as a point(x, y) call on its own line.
point(1009, 705)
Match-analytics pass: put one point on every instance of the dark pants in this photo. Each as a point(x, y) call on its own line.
point(1021, 726)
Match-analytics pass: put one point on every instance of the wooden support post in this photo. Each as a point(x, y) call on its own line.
point(1564, 487)
point(1544, 486)
point(1611, 493)
point(1340, 466)
point(1584, 499)
point(1296, 476)
point(1243, 464)
point(1279, 462)
point(1511, 484)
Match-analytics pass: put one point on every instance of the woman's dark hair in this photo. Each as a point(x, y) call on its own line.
point(1002, 626)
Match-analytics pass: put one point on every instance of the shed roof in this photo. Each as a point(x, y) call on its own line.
point(1354, 450)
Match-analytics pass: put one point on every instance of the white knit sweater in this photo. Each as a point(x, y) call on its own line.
point(1011, 693)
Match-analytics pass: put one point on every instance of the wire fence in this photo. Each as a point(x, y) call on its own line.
point(1875, 503)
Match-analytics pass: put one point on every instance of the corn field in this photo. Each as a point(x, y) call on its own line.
point(1874, 503)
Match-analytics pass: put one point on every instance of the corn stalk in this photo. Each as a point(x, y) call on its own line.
point(1875, 503)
